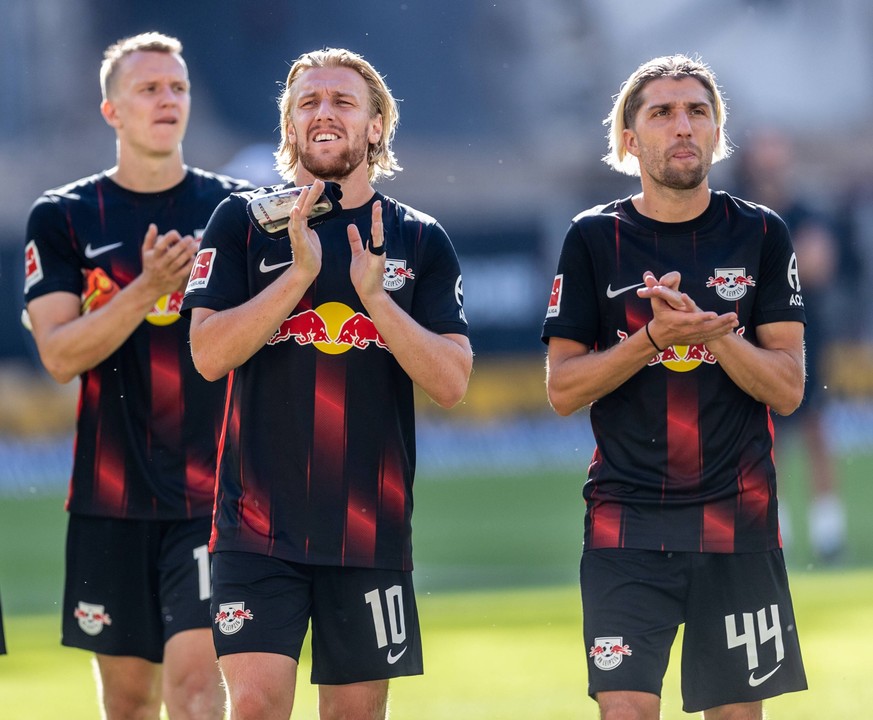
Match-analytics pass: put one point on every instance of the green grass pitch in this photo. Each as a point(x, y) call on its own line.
point(497, 562)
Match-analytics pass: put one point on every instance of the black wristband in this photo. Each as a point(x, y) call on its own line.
point(649, 335)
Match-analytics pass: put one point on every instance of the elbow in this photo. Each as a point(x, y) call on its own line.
point(209, 371)
point(562, 403)
point(59, 371)
point(451, 395)
point(787, 405)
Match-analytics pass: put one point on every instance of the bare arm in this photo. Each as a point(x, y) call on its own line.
point(773, 372)
point(222, 341)
point(576, 377)
point(439, 364)
point(70, 343)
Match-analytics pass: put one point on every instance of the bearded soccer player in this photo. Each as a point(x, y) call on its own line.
point(107, 258)
point(324, 331)
point(677, 316)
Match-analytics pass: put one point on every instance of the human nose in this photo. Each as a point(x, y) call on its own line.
point(683, 124)
point(325, 109)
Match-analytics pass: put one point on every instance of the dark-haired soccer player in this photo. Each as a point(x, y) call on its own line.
point(324, 336)
point(681, 523)
point(140, 498)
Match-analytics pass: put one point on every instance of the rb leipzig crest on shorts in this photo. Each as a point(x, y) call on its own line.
point(608, 652)
point(231, 616)
point(92, 618)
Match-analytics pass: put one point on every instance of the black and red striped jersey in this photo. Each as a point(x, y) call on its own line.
point(317, 455)
point(683, 458)
point(147, 424)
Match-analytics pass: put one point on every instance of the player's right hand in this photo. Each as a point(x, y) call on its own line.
point(305, 244)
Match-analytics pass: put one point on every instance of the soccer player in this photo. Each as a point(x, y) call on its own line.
point(140, 497)
point(677, 316)
point(324, 333)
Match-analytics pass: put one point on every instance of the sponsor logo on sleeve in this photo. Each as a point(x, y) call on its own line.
point(201, 271)
point(32, 265)
point(555, 298)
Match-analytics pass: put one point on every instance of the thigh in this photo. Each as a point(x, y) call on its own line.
point(259, 604)
point(364, 626)
point(367, 700)
point(741, 643)
point(259, 685)
point(129, 687)
point(184, 567)
point(632, 606)
point(111, 598)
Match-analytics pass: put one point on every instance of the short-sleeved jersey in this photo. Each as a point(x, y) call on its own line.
point(317, 456)
point(683, 458)
point(147, 425)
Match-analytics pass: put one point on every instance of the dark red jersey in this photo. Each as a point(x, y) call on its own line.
point(318, 451)
point(684, 457)
point(147, 424)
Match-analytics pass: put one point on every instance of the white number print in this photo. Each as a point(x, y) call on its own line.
point(747, 636)
point(201, 556)
point(393, 608)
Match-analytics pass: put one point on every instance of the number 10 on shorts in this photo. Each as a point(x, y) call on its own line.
point(392, 607)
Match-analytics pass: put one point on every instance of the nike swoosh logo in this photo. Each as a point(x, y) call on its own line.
point(269, 268)
point(392, 658)
point(610, 293)
point(754, 682)
point(91, 252)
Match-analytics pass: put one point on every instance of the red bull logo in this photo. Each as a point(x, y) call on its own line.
point(681, 358)
point(730, 283)
point(231, 616)
point(608, 652)
point(166, 309)
point(332, 328)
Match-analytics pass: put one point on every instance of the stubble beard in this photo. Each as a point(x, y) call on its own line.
point(334, 168)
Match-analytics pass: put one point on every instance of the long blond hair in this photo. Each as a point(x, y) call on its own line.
point(380, 157)
point(629, 100)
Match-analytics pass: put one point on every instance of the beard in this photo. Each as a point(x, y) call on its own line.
point(683, 179)
point(336, 167)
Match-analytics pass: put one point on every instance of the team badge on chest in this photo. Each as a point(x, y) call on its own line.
point(730, 283)
point(396, 274)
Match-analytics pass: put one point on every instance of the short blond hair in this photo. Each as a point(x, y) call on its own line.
point(144, 42)
point(380, 157)
point(629, 101)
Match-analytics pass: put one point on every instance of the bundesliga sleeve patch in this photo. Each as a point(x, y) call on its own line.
point(32, 266)
point(555, 298)
point(201, 271)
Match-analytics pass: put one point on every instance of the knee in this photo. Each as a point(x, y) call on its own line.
point(195, 696)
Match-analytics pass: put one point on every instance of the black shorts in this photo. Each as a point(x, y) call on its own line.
point(133, 584)
point(364, 621)
point(740, 642)
point(2, 635)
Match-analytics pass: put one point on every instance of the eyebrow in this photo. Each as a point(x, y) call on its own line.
point(670, 105)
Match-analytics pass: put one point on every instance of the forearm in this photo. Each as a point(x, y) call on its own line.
point(70, 343)
point(773, 376)
point(439, 364)
point(575, 380)
point(222, 341)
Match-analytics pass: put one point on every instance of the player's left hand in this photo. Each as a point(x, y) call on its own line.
point(367, 268)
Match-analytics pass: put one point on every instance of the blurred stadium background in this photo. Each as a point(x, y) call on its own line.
point(501, 137)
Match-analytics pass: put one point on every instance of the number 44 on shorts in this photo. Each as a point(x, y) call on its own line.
point(391, 606)
point(750, 638)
